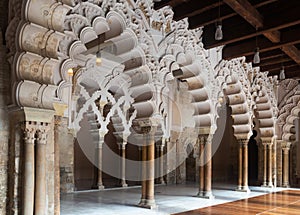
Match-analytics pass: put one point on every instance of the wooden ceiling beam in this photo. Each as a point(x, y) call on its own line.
point(247, 11)
point(211, 16)
point(163, 3)
point(266, 56)
point(290, 71)
point(292, 52)
point(274, 60)
point(242, 31)
point(247, 47)
point(278, 66)
point(194, 7)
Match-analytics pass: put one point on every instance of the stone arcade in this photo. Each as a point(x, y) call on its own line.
point(154, 111)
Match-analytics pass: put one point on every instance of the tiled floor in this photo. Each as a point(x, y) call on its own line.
point(170, 199)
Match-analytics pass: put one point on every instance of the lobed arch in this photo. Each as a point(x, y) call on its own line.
point(265, 104)
point(51, 44)
point(233, 80)
point(288, 111)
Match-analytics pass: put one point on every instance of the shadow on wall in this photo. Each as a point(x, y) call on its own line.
point(225, 158)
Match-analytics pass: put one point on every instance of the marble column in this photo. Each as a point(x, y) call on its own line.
point(240, 166)
point(208, 169)
point(270, 170)
point(265, 165)
point(148, 156)
point(285, 181)
point(123, 166)
point(29, 169)
point(99, 152)
point(205, 167)
point(274, 160)
point(245, 167)
point(150, 202)
point(161, 161)
point(201, 168)
point(40, 186)
point(144, 173)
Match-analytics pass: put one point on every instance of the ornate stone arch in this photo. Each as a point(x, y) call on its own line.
point(265, 104)
point(288, 109)
point(233, 80)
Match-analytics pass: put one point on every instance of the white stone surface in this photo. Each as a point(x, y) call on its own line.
point(170, 199)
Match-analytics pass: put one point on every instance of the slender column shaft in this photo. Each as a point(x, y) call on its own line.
point(150, 169)
point(270, 181)
point(144, 173)
point(286, 167)
point(99, 149)
point(28, 192)
point(240, 167)
point(207, 170)
point(265, 164)
point(201, 169)
point(161, 165)
point(245, 166)
point(123, 183)
point(40, 187)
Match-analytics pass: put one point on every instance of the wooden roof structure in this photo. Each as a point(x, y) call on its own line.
point(271, 25)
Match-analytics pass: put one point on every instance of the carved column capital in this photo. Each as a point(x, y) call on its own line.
point(29, 129)
point(205, 138)
point(243, 142)
point(286, 146)
point(42, 133)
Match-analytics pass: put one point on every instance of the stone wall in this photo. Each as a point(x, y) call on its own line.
point(65, 141)
point(4, 125)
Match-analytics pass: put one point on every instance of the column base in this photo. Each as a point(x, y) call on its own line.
point(205, 195)
point(100, 187)
point(162, 182)
point(239, 188)
point(244, 189)
point(270, 185)
point(124, 185)
point(286, 186)
point(264, 184)
point(146, 203)
point(142, 202)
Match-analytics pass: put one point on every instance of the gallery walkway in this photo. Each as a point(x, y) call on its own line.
point(285, 202)
point(170, 199)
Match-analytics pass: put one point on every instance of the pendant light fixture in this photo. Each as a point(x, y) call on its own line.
point(219, 32)
point(256, 58)
point(282, 73)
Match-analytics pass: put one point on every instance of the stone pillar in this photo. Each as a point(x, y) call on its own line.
point(144, 174)
point(99, 152)
point(201, 168)
point(270, 170)
point(40, 186)
point(123, 162)
point(243, 166)
point(150, 202)
point(240, 167)
point(265, 165)
point(208, 169)
point(285, 179)
point(29, 169)
point(148, 155)
point(274, 160)
point(205, 167)
point(161, 161)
